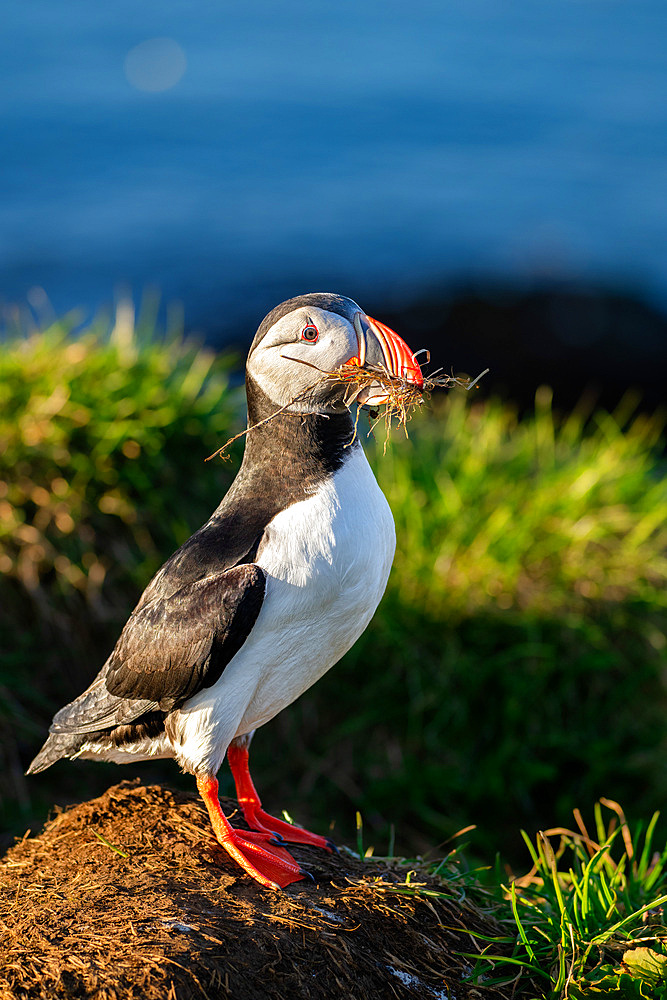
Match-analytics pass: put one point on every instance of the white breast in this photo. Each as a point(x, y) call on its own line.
point(327, 561)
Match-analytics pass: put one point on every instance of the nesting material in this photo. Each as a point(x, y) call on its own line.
point(128, 897)
point(399, 398)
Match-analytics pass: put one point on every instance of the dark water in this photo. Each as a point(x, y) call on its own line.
point(372, 148)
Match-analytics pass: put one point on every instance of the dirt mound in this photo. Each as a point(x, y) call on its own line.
point(128, 896)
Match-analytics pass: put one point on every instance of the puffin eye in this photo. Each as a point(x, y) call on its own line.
point(310, 333)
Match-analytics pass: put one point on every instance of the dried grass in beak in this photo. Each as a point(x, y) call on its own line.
point(403, 397)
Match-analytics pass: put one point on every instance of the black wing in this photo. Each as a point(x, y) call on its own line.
point(171, 647)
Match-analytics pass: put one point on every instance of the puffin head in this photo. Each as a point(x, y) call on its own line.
point(316, 333)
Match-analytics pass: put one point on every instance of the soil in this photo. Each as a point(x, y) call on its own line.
point(128, 895)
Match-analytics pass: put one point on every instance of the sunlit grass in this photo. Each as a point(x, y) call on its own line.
point(536, 514)
point(96, 435)
point(587, 920)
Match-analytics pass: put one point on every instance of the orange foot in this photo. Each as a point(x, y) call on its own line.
point(258, 854)
point(253, 813)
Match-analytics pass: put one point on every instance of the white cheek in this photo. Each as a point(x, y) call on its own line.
point(334, 350)
point(287, 371)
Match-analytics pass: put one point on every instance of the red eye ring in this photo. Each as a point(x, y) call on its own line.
point(310, 333)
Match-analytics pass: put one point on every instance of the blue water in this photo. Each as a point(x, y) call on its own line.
point(373, 148)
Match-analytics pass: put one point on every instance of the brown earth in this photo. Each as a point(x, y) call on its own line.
point(172, 918)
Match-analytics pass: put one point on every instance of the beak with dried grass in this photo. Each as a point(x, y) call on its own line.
point(385, 372)
point(384, 354)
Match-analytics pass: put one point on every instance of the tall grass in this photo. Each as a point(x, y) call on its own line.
point(532, 515)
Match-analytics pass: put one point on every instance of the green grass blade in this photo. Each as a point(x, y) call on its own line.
point(643, 863)
point(614, 928)
point(520, 928)
point(103, 840)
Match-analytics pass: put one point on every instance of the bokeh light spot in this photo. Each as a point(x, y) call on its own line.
point(156, 64)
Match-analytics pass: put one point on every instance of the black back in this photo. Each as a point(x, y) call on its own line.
point(285, 460)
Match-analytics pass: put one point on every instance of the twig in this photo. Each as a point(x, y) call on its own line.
point(259, 423)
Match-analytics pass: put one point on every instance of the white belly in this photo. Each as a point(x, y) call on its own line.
point(327, 561)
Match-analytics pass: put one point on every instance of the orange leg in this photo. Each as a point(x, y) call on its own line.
point(253, 813)
point(269, 864)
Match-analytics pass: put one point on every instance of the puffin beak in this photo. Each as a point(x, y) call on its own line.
point(379, 345)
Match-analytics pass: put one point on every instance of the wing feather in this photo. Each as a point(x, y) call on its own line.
point(171, 647)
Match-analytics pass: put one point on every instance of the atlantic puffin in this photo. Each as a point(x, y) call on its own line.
point(269, 594)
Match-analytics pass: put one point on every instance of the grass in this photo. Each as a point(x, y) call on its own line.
point(533, 515)
point(101, 438)
point(586, 921)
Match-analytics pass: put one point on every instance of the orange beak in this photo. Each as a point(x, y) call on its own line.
point(379, 345)
point(399, 359)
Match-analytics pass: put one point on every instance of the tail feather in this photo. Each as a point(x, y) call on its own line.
point(97, 709)
point(56, 747)
point(94, 711)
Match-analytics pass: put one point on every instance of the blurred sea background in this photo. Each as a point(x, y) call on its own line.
point(505, 159)
point(489, 178)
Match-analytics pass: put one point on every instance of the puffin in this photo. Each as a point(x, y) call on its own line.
point(268, 594)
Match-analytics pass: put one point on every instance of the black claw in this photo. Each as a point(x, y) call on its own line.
point(308, 875)
point(332, 847)
point(278, 840)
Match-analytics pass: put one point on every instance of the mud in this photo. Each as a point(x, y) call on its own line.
point(129, 896)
